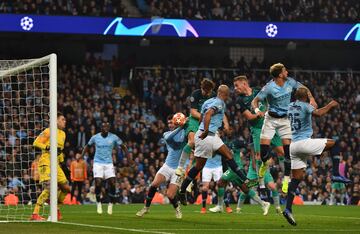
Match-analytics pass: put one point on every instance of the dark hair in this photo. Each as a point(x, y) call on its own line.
point(276, 69)
point(59, 114)
point(169, 117)
point(207, 84)
point(241, 78)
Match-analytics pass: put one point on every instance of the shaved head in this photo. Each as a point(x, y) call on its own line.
point(223, 92)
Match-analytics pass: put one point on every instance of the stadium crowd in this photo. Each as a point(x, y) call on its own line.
point(86, 97)
point(264, 10)
point(64, 7)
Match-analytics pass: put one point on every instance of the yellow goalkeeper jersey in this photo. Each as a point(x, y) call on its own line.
point(43, 140)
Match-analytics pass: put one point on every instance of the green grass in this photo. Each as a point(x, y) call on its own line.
point(161, 219)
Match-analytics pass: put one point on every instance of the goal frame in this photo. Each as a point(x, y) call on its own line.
point(51, 59)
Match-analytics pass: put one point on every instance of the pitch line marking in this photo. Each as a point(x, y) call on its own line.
point(115, 228)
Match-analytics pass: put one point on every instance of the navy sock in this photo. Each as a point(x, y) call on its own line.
point(174, 202)
point(98, 193)
point(336, 162)
point(232, 164)
point(204, 195)
point(291, 193)
point(111, 194)
point(224, 164)
point(287, 162)
point(191, 176)
point(264, 152)
point(150, 195)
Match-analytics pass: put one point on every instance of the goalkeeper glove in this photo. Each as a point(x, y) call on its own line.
point(59, 150)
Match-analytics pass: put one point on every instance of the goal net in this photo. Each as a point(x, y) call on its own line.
point(27, 104)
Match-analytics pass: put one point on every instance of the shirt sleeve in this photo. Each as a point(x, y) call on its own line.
point(309, 108)
point(217, 106)
point(118, 141)
point(91, 141)
point(240, 106)
point(295, 84)
point(194, 99)
point(263, 93)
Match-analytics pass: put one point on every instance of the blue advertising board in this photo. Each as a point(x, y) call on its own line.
point(119, 26)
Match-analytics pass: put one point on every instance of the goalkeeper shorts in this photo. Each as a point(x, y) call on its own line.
point(44, 173)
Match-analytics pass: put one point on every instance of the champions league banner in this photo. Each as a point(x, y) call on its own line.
point(163, 27)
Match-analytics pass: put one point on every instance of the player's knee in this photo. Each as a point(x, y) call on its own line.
point(330, 143)
point(271, 186)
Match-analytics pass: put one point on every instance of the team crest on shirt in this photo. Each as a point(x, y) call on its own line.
point(192, 99)
point(109, 142)
point(288, 89)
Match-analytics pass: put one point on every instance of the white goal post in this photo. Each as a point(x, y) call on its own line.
point(15, 90)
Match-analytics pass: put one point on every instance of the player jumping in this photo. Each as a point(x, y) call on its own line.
point(197, 99)
point(278, 94)
point(207, 140)
point(243, 103)
point(302, 146)
point(175, 141)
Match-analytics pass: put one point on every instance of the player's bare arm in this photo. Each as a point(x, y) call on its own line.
point(85, 150)
point(195, 113)
point(255, 106)
point(250, 116)
point(207, 118)
point(310, 96)
point(124, 148)
point(324, 110)
point(226, 124)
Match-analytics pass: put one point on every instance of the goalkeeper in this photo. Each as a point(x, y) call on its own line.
point(43, 142)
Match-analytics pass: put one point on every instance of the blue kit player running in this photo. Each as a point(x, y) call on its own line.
point(175, 140)
point(277, 92)
point(103, 167)
point(302, 146)
point(208, 141)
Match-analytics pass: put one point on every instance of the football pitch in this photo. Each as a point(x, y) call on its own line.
point(161, 219)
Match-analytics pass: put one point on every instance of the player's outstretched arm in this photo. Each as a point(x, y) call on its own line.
point(250, 116)
point(324, 110)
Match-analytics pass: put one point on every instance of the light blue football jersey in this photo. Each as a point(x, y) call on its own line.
point(175, 141)
point(214, 162)
point(300, 114)
point(278, 97)
point(104, 147)
point(218, 106)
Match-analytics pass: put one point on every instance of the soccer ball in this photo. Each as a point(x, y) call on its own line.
point(271, 30)
point(27, 23)
point(179, 119)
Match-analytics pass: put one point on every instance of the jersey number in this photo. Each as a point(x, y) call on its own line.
point(295, 122)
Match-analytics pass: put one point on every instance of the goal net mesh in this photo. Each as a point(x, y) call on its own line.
point(24, 113)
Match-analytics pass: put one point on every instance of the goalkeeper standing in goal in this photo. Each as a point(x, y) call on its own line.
point(103, 167)
point(43, 142)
